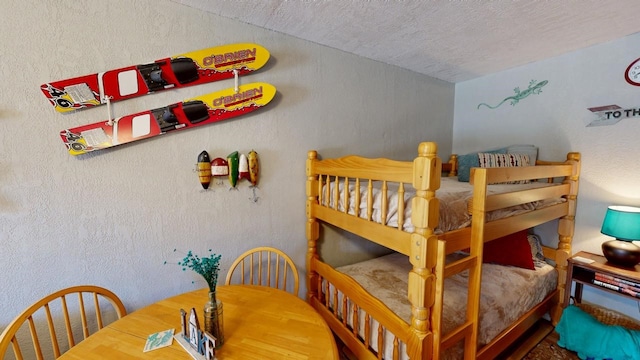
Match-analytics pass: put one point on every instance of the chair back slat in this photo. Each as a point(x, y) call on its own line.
point(34, 317)
point(83, 316)
point(278, 272)
point(16, 349)
point(284, 276)
point(96, 305)
point(267, 266)
point(269, 271)
point(259, 268)
point(52, 332)
point(34, 336)
point(67, 322)
point(242, 279)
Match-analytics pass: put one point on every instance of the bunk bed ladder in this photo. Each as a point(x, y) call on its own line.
point(468, 331)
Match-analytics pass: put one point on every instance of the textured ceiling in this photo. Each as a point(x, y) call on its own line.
point(452, 40)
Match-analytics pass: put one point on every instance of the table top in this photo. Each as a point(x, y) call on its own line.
point(259, 323)
point(601, 264)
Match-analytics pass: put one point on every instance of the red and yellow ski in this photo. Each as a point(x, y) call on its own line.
point(192, 68)
point(198, 111)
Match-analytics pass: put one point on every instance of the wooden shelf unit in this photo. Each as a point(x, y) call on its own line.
point(583, 273)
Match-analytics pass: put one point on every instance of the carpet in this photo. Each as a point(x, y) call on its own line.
point(548, 349)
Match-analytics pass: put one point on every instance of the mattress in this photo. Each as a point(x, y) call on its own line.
point(507, 293)
point(455, 202)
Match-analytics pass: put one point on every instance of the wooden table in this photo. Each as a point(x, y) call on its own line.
point(259, 323)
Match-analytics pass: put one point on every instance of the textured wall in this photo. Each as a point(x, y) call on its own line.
point(113, 218)
point(556, 120)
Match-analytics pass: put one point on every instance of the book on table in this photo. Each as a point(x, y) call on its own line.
point(616, 280)
point(610, 283)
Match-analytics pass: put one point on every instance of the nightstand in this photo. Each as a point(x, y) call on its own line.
point(594, 270)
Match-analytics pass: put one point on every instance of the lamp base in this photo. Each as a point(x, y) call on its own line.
point(624, 253)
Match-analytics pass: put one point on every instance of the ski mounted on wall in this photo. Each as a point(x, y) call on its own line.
point(198, 111)
point(192, 68)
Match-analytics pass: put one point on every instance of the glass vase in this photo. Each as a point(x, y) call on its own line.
point(213, 321)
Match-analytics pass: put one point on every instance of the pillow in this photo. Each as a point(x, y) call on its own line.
point(513, 250)
point(467, 161)
point(536, 250)
point(536, 246)
point(530, 150)
point(488, 160)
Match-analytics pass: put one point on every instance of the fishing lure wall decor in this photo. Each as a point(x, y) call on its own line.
point(204, 169)
point(233, 160)
point(534, 88)
point(254, 167)
point(243, 167)
point(235, 167)
point(219, 167)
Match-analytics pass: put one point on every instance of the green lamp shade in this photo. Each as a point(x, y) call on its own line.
point(622, 222)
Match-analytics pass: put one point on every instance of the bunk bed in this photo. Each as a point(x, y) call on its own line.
point(400, 205)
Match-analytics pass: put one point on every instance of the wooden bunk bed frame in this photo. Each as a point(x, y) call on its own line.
point(426, 249)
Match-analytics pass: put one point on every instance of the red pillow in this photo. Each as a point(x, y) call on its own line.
point(512, 249)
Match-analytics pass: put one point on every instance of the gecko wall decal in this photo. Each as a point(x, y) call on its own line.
point(532, 89)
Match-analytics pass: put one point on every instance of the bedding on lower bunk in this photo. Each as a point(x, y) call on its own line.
point(507, 293)
point(455, 202)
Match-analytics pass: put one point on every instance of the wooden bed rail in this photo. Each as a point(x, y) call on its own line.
point(352, 315)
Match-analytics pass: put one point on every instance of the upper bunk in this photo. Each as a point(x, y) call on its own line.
point(393, 194)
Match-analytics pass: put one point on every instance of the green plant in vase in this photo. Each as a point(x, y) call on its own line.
point(208, 267)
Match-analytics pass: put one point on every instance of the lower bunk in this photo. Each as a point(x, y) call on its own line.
point(510, 295)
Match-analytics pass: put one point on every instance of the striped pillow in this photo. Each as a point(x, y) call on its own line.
point(488, 160)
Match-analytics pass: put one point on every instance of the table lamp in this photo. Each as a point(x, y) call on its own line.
point(623, 223)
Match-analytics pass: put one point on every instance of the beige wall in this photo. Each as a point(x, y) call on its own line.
point(115, 217)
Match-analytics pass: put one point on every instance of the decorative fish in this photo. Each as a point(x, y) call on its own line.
point(254, 167)
point(233, 160)
point(204, 169)
point(243, 168)
point(219, 167)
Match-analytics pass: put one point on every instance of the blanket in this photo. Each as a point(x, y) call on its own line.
point(591, 339)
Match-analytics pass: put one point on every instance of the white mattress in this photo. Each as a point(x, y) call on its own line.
point(454, 196)
point(507, 293)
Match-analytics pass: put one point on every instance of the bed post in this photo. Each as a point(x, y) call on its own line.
point(453, 165)
point(427, 169)
point(313, 228)
point(566, 225)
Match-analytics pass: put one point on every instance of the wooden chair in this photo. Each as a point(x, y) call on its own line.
point(265, 266)
point(58, 300)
